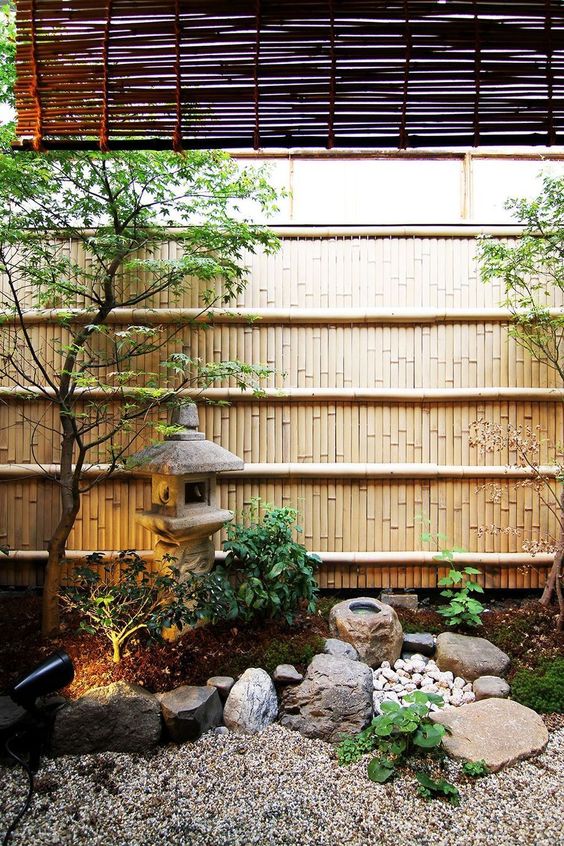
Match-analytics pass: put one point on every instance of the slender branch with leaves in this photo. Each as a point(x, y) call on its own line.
point(84, 237)
point(532, 273)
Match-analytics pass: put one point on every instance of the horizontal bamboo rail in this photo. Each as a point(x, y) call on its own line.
point(381, 230)
point(539, 154)
point(317, 470)
point(423, 558)
point(273, 316)
point(302, 395)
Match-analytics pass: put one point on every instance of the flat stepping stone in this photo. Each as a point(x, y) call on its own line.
point(497, 731)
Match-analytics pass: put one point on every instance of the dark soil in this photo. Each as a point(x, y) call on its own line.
point(525, 630)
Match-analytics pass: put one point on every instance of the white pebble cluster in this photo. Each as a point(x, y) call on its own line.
point(418, 673)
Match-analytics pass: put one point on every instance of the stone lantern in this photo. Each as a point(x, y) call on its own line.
point(184, 513)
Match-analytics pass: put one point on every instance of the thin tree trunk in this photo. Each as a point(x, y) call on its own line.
point(50, 618)
point(70, 505)
point(553, 582)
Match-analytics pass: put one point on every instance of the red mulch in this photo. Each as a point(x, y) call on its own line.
point(525, 630)
point(202, 652)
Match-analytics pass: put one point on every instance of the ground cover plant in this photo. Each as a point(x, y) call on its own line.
point(397, 733)
point(541, 689)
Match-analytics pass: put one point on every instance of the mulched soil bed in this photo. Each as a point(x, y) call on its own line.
point(525, 630)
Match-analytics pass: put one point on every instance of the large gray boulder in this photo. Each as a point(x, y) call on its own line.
point(370, 626)
point(470, 657)
point(335, 698)
point(252, 703)
point(189, 711)
point(497, 731)
point(121, 717)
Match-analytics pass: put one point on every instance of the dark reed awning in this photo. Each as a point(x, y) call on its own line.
point(283, 73)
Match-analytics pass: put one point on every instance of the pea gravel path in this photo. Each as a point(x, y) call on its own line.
point(275, 789)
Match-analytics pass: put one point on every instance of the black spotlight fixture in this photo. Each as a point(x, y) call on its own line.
point(55, 672)
point(27, 739)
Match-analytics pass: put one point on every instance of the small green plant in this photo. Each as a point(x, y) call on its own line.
point(541, 689)
point(475, 769)
point(353, 747)
point(268, 571)
point(396, 733)
point(431, 788)
point(463, 607)
point(128, 598)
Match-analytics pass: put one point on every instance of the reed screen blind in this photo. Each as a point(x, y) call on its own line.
point(282, 73)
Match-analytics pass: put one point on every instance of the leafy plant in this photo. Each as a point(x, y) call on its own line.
point(266, 571)
point(431, 788)
point(531, 271)
point(396, 733)
point(475, 769)
point(463, 607)
point(541, 689)
point(129, 598)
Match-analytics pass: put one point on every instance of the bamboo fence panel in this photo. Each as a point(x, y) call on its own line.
point(314, 351)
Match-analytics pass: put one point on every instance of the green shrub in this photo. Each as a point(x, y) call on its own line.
point(127, 599)
point(541, 689)
point(267, 573)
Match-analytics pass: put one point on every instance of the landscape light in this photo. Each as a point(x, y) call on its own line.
point(55, 672)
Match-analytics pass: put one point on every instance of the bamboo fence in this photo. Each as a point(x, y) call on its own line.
point(386, 348)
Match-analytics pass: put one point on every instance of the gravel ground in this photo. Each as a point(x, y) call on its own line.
point(275, 789)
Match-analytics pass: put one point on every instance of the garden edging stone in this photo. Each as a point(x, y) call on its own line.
point(335, 698)
point(252, 703)
point(189, 711)
point(119, 717)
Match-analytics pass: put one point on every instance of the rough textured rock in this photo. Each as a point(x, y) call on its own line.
point(470, 657)
point(340, 649)
point(287, 674)
point(223, 685)
point(370, 626)
point(189, 711)
point(491, 687)
point(400, 600)
point(252, 703)
point(497, 731)
point(422, 643)
point(335, 698)
point(121, 717)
